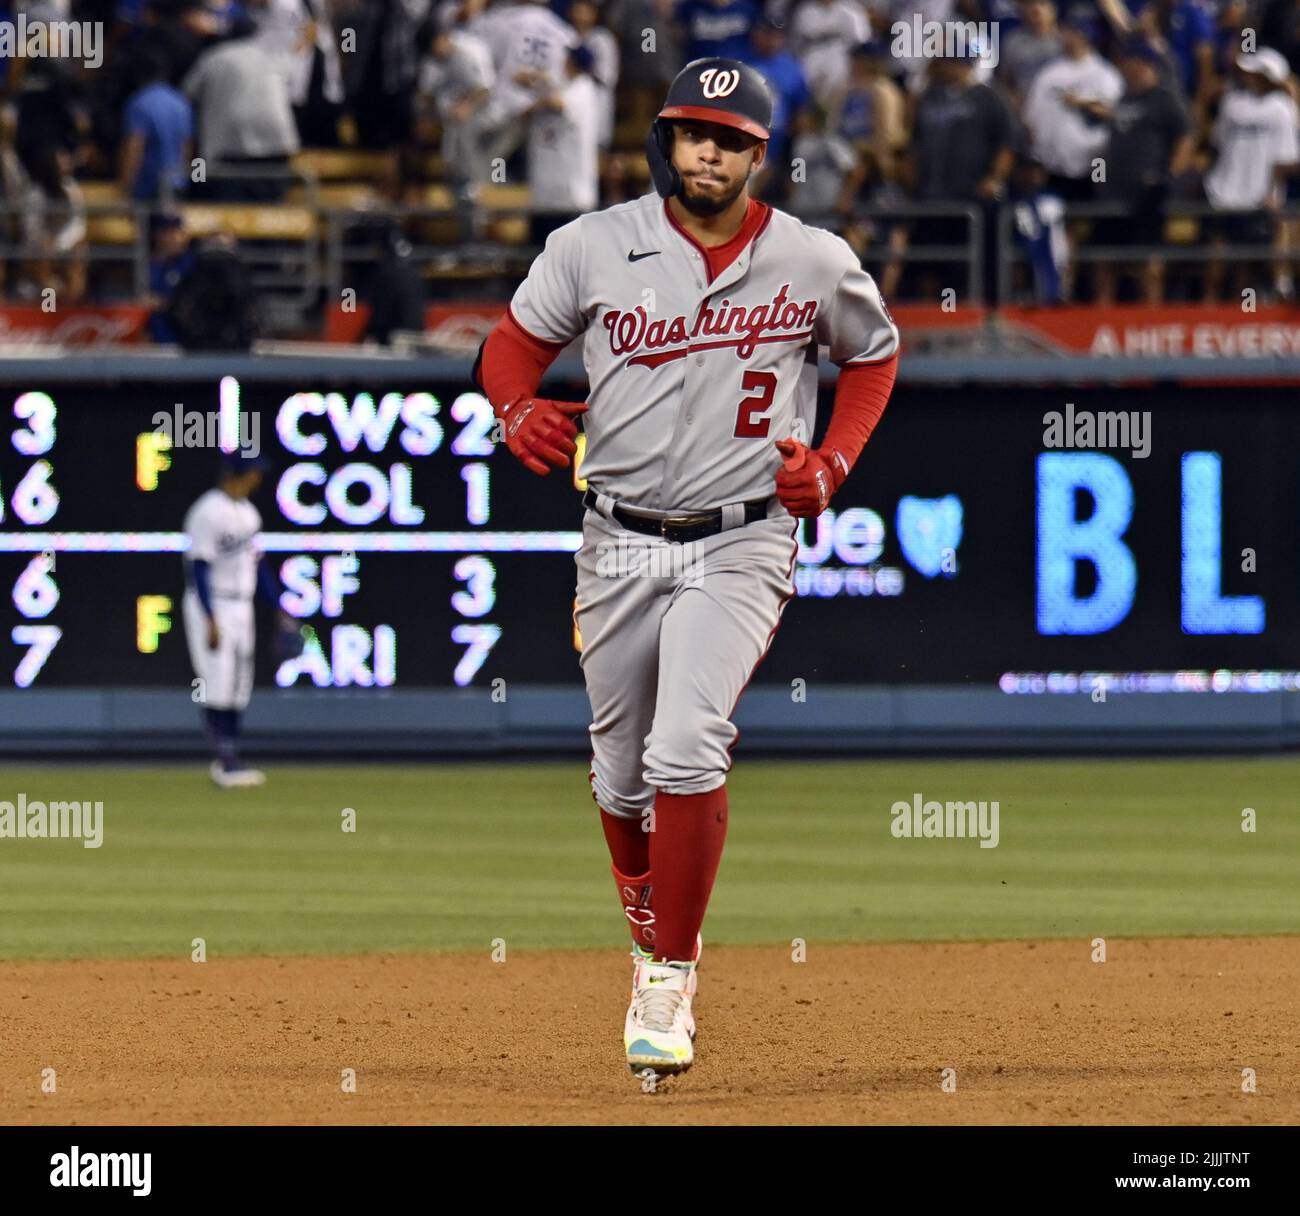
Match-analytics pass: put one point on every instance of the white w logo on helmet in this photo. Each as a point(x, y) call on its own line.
point(719, 82)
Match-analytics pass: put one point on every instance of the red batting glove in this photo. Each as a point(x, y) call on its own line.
point(541, 433)
point(808, 477)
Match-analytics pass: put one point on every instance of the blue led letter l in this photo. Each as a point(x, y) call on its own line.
point(1205, 610)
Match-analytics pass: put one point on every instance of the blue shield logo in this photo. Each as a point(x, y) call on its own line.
point(928, 530)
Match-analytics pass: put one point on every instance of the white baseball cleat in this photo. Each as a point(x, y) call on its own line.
point(233, 778)
point(660, 1026)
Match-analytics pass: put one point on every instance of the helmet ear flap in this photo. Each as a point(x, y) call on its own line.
point(659, 154)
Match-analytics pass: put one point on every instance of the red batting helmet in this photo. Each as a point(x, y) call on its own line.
point(724, 91)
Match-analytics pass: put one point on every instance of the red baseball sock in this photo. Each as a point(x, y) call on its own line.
point(629, 842)
point(685, 848)
point(629, 846)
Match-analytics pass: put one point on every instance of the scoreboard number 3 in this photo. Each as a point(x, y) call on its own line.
point(39, 412)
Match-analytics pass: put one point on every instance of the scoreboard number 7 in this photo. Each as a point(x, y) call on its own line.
point(41, 639)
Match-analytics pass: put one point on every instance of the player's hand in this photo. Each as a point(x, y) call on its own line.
point(541, 433)
point(214, 634)
point(807, 478)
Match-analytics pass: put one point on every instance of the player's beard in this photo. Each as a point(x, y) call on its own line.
point(699, 204)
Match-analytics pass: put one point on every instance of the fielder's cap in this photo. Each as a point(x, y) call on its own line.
point(1266, 62)
point(1140, 48)
point(244, 460)
point(1082, 21)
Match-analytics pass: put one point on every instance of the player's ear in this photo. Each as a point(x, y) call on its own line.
point(760, 156)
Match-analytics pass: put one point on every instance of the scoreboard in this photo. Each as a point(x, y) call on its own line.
point(976, 542)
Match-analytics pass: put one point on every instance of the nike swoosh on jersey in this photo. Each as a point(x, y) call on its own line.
point(636, 257)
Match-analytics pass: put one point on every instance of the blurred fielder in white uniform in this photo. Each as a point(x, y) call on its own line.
point(223, 571)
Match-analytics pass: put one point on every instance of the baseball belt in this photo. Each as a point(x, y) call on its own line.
point(684, 526)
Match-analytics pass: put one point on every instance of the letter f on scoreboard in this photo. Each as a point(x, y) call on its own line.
point(151, 458)
point(152, 620)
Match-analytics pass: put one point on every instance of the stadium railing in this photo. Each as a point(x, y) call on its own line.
point(306, 246)
point(1180, 217)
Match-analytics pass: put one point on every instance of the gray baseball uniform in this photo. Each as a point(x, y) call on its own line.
point(691, 382)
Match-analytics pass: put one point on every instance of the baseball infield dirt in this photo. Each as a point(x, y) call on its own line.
point(1035, 1031)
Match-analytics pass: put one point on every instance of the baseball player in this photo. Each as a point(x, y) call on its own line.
point(700, 312)
point(223, 571)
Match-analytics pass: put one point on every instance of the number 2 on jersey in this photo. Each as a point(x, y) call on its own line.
point(751, 419)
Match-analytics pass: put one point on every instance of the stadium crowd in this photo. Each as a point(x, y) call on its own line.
point(1180, 115)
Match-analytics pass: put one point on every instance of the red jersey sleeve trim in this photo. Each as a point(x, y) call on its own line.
point(867, 362)
point(544, 343)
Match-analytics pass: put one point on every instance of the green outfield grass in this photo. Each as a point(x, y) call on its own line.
point(449, 857)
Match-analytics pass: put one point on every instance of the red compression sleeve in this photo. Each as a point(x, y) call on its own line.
point(513, 362)
point(861, 393)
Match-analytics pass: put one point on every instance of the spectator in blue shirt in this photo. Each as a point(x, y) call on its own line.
point(790, 92)
point(1038, 227)
point(171, 257)
point(157, 131)
point(716, 27)
point(1188, 30)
